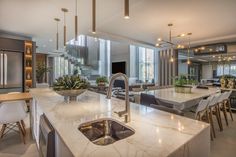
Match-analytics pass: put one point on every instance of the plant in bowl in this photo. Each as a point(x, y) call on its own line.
point(183, 84)
point(70, 86)
point(101, 81)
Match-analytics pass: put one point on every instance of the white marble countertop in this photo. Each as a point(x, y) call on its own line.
point(157, 133)
point(169, 94)
point(181, 101)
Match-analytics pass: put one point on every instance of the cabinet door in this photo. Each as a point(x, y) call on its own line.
point(13, 70)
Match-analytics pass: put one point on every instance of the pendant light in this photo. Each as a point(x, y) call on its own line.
point(172, 59)
point(76, 20)
point(57, 34)
point(94, 16)
point(65, 11)
point(188, 61)
point(126, 9)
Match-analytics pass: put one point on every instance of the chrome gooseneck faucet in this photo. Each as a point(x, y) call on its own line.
point(126, 112)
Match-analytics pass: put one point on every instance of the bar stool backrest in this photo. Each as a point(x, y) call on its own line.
point(228, 94)
point(12, 111)
point(222, 97)
point(214, 100)
point(202, 106)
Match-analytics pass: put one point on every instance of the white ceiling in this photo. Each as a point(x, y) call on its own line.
point(208, 20)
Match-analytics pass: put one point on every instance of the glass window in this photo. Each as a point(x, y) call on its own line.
point(233, 69)
point(226, 69)
point(146, 64)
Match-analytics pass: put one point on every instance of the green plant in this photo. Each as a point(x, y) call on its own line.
point(182, 80)
point(101, 79)
point(75, 72)
point(41, 69)
point(70, 82)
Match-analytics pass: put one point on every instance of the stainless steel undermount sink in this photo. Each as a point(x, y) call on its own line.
point(105, 131)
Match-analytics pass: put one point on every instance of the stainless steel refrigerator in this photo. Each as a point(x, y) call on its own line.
point(11, 71)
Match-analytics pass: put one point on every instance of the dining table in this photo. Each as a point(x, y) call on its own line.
point(181, 101)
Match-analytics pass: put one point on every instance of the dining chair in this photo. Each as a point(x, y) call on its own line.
point(12, 114)
point(202, 108)
point(202, 113)
point(222, 105)
point(151, 101)
point(228, 104)
point(147, 99)
point(213, 108)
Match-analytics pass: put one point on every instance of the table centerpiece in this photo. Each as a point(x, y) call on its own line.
point(183, 84)
point(70, 86)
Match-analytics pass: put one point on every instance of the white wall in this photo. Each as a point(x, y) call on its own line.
point(207, 72)
point(120, 53)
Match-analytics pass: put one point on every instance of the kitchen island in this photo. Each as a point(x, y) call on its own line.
point(157, 133)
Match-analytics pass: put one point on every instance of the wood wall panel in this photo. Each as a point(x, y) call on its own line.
point(167, 69)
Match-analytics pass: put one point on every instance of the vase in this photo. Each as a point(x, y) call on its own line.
point(183, 89)
point(101, 84)
point(70, 95)
point(223, 82)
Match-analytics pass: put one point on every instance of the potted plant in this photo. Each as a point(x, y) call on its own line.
point(41, 70)
point(70, 86)
point(231, 83)
point(227, 81)
point(101, 81)
point(183, 84)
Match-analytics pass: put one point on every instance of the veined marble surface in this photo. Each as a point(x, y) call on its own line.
point(181, 101)
point(157, 133)
point(169, 94)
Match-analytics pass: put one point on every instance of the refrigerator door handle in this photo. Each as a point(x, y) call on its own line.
point(5, 69)
point(1, 66)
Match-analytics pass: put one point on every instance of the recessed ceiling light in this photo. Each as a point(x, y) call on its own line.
point(182, 35)
point(233, 56)
point(159, 39)
point(213, 56)
point(50, 40)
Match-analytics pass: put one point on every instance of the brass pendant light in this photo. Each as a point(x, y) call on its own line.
point(188, 61)
point(57, 34)
point(65, 11)
point(76, 20)
point(94, 16)
point(126, 10)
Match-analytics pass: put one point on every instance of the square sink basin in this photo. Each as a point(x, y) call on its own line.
point(105, 131)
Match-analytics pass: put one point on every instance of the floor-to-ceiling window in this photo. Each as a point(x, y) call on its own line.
point(144, 61)
point(226, 69)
